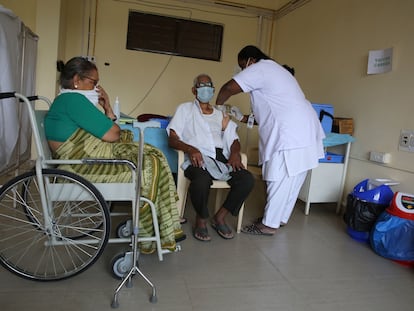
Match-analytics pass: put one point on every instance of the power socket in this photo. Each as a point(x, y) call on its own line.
point(380, 157)
point(406, 141)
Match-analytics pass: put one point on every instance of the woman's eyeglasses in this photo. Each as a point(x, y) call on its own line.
point(95, 82)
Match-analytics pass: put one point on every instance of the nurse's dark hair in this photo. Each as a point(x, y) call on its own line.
point(290, 69)
point(251, 51)
point(77, 65)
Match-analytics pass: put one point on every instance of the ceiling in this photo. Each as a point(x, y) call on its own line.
point(271, 8)
point(266, 4)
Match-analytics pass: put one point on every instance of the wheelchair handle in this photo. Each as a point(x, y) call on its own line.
point(7, 95)
point(12, 94)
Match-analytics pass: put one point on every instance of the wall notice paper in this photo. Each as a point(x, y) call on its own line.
point(379, 61)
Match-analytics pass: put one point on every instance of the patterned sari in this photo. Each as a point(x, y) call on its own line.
point(157, 183)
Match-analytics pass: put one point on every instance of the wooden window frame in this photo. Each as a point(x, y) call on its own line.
point(174, 36)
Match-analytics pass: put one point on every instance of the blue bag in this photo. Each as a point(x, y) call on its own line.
point(393, 233)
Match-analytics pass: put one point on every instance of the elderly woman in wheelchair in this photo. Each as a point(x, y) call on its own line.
point(75, 129)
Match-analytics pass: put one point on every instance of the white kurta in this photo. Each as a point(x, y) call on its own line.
point(193, 129)
point(290, 135)
point(286, 119)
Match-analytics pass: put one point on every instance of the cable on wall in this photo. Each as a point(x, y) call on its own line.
point(189, 11)
point(254, 11)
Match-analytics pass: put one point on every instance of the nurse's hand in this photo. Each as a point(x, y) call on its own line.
point(236, 113)
point(235, 161)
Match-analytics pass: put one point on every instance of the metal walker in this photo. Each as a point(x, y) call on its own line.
point(127, 280)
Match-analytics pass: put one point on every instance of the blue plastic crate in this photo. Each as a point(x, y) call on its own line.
point(332, 158)
point(325, 114)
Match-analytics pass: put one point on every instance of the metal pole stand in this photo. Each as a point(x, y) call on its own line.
point(134, 237)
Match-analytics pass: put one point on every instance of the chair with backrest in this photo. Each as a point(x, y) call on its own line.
point(183, 184)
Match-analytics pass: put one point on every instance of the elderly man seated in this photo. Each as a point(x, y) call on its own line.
point(211, 144)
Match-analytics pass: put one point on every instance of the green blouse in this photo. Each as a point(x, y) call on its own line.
point(71, 111)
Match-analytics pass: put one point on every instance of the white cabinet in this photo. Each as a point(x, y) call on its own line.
point(325, 183)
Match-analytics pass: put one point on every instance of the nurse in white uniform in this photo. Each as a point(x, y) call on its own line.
point(290, 134)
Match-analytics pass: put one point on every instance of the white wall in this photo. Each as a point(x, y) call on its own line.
point(156, 83)
point(327, 41)
point(47, 27)
point(24, 9)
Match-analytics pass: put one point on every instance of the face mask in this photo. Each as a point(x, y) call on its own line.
point(205, 94)
point(91, 95)
point(247, 63)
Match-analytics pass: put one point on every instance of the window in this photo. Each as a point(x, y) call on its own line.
point(175, 36)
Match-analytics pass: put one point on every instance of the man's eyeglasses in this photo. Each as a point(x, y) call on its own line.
point(203, 84)
point(95, 82)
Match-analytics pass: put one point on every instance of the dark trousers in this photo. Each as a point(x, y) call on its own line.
point(241, 183)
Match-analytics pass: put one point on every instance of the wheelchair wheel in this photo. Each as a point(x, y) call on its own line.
point(55, 241)
point(73, 234)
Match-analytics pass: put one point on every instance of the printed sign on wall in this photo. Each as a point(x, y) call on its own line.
point(380, 61)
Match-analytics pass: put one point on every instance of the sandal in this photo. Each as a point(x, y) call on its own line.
point(180, 238)
point(259, 221)
point(255, 230)
point(201, 234)
point(223, 230)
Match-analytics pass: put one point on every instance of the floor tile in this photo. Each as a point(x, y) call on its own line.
point(311, 264)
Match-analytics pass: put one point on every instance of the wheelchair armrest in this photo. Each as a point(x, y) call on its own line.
point(91, 161)
point(110, 161)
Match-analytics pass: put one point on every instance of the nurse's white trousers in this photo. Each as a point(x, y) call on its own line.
point(281, 198)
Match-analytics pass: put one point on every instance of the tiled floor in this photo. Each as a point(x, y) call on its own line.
point(311, 264)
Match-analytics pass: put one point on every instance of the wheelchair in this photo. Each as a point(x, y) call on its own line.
point(55, 224)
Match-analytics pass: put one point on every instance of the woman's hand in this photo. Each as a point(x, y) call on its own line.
point(103, 97)
point(104, 102)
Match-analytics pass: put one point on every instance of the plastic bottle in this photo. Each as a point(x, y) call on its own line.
point(117, 110)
